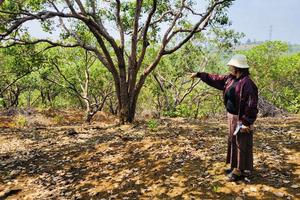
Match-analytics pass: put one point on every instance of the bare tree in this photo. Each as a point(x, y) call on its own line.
point(122, 55)
point(178, 92)
point(94, 101)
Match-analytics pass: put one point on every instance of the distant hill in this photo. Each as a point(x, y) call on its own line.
point(243, 47)
point(293, 48)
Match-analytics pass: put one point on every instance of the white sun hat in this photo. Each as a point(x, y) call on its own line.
point(239, 61)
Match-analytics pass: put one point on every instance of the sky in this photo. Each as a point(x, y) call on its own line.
point(254, 18)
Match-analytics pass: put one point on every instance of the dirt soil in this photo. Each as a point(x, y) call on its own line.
point(179, 159)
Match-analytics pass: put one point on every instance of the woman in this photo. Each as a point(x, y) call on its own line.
point(240, 99)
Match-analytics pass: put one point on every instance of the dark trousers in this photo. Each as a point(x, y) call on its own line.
point(240, 147)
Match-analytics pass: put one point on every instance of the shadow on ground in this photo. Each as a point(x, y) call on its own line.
point(181, 159)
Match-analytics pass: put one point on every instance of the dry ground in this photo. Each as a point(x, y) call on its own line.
point(180, 159)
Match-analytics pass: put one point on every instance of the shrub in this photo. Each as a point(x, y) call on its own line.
point(152, 124)
point(21, 121)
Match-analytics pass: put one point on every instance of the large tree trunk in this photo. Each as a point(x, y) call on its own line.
point(132, 109)
point(127, 106)
point(126, 112)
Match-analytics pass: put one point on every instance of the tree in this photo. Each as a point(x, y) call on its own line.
point(17, 72)
point(82, 77)
point(168, 24)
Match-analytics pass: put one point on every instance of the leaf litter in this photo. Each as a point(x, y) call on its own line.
point(182, 159)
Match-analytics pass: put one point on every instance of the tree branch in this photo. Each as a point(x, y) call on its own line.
point(177, 16)
point(39, 16)
point(203, 22)
point(119, 23)
point(71, 7)
point(93, 5)
point(144, 34)
point(133, 56)
point(13, 82)
point(152, 66)
point(72, 85)
point(133, 64)
point(24, 42)
point(162, 17)
point(192, 11)
point(81, 7)
point(193, 85)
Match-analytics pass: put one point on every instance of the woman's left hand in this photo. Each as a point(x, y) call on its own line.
point(245, 129)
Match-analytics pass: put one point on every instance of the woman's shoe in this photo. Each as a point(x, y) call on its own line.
point(228, 171)
point(247, 173)
point(233, 177)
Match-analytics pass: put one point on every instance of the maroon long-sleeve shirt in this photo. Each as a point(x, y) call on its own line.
point(246, 93)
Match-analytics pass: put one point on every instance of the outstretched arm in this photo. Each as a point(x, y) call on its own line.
point(214, 80)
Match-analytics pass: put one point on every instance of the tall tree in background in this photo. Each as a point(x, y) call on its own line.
point(118, 33)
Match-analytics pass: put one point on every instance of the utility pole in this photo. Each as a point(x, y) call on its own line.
point(270, 32)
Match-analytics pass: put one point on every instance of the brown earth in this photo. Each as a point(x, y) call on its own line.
point(178, 159)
